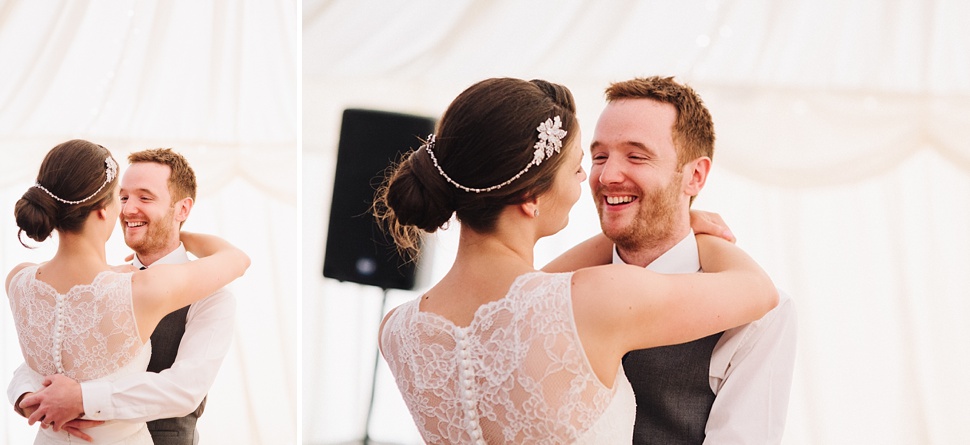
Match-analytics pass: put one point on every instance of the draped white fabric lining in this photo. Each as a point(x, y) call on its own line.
point(216, 81)
point(842, 163)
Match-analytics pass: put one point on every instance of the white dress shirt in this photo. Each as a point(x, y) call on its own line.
point(751, 366)
point(174, 392)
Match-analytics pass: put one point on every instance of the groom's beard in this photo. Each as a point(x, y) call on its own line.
point(653, 223)
point(156, 237)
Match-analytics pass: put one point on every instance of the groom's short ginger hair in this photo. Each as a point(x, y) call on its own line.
point(181, 181)
point(693, 130)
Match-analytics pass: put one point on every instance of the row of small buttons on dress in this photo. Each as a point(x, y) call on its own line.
point(467, 391)
point(58, 332)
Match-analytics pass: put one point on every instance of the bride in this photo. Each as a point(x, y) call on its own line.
point(497, 352)
point(76, 315)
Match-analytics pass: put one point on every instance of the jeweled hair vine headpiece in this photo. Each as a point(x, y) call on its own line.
point(551, 135)
point(110, 173)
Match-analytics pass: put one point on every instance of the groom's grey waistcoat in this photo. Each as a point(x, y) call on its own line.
point(673, 391)
point(165, 346)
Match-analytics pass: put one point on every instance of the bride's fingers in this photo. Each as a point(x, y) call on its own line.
point(76, 432)
point(82, 423)
point(711, 224)
point(124, 268)
point(37, 415)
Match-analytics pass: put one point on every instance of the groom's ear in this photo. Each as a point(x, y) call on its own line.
point(695, 175)
point(182, 209)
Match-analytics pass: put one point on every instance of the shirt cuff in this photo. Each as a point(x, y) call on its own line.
point(96, 398)
point(15, 391)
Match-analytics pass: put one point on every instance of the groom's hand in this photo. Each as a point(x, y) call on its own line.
point(57, 403)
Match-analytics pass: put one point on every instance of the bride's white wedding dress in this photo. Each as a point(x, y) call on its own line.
point(516, 374)
point(88, 333)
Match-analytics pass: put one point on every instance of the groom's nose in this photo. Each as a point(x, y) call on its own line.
point(610, 172)
point(128, 207)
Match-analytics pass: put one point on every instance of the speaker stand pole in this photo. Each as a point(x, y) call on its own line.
point(373, 381)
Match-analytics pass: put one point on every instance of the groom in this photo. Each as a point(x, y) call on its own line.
point(651, 153)
point(188, 345)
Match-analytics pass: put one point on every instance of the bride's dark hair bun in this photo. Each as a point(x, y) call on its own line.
point(72, 171)
point(484, 141)
point(414, 199)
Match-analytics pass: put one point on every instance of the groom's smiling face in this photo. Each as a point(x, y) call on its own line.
point(636, 180)
point(148, 217)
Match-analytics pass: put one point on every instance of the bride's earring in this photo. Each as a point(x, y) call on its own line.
point(535, 212)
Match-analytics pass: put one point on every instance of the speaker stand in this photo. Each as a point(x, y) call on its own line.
point(373, 381)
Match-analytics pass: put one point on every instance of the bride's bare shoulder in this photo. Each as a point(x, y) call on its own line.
point(15, 271)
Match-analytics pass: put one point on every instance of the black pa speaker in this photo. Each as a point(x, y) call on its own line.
point(357, 249)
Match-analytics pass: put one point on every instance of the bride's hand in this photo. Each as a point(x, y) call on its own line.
point(25, 411)
point(202, 245)
point(710, 223)
point(75, 426)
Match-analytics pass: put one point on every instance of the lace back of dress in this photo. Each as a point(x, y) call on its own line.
point(86, 333)
point(517, 374)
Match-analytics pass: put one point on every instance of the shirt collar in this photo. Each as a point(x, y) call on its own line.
point(177, 256)
point(682, 258)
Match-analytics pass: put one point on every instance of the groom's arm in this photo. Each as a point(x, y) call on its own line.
point(25, 380)
point(598, 250)
point(595, 251)
point(146, 396)
point(178, 390)
point(753, 382)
